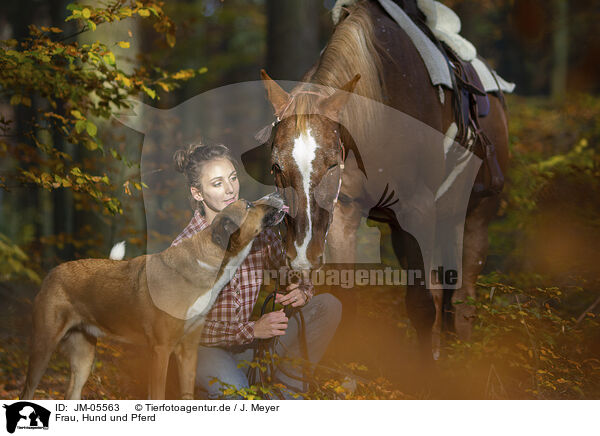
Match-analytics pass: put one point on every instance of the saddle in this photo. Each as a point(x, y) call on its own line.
point(470, 103)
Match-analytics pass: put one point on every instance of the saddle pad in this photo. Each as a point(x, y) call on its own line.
point(434, 60)
point(445, 25)
point(490, 79)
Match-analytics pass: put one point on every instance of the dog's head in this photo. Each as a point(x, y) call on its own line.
point(240, 222)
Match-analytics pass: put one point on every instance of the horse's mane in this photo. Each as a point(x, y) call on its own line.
point(352, 49)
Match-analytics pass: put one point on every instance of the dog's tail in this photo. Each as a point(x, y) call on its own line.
point(118, 251)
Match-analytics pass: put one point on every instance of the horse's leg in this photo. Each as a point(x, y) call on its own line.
point(475, 248)
point(475, 238)
point(341, 238)
point(341, 242)
point(419, 302)
point(417, 220)
point(436, 331)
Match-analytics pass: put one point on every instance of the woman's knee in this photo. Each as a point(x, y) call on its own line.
point(217, 370)
point(329, 307)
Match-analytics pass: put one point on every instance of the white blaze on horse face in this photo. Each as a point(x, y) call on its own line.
point(304, 153)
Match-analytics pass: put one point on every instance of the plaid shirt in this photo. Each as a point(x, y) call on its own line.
point(228, 322)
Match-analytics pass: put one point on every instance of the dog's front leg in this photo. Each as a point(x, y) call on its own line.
point(158, 371)
point(186, 353)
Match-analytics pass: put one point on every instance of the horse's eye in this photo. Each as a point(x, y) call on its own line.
point(344, 198)
point(249, 205)
point(332, 167)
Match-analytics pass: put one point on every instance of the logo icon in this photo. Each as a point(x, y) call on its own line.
point(26, 415)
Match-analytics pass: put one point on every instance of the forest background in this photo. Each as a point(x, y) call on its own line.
point(71, 186)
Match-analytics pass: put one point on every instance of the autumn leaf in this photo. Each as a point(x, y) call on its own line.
point(80, 126)
point(109, 58)
point(91, 128)
point(170, 40)
point(150, 92)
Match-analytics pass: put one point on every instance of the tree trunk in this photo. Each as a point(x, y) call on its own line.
point(561, 49)
point(292, 37)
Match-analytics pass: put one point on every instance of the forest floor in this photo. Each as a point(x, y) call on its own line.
point(375, 345)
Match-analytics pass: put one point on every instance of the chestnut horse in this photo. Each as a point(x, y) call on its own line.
point(313, 153)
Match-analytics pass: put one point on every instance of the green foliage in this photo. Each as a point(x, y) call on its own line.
point(13, 262)
point(345, 381)
point(62, 89)
point(531, 323)
point(231, 42)
point(535, 346)
point(554, 163)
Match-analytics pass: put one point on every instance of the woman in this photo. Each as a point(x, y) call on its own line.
point(229, 336)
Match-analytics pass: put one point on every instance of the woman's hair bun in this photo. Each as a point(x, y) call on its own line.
point(182, 157)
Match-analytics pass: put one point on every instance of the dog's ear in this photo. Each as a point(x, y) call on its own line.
point(223, 229)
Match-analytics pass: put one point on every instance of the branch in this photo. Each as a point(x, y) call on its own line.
point(589, 309)
point(83, 29)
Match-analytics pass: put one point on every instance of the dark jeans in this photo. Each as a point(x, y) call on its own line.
point(322, 315)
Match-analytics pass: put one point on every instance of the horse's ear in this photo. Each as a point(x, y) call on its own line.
point(332, 105)
point(275, 93)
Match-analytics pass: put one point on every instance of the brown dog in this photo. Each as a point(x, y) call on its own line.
point(159, 300)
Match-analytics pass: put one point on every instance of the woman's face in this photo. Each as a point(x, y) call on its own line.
point(219, 186)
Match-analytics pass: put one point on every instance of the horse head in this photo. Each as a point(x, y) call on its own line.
point(307, 161)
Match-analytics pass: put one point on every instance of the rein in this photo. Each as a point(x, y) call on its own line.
point(266, 347)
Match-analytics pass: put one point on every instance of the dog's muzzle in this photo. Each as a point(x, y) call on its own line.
point(275, 216)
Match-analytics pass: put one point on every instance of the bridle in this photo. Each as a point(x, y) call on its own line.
point(339, 188)
point(282, 114)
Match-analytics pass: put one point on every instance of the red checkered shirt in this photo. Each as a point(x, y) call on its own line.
point(228, 322)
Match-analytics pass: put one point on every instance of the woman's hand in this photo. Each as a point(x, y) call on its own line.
point(294, 296)
point(271, 324)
